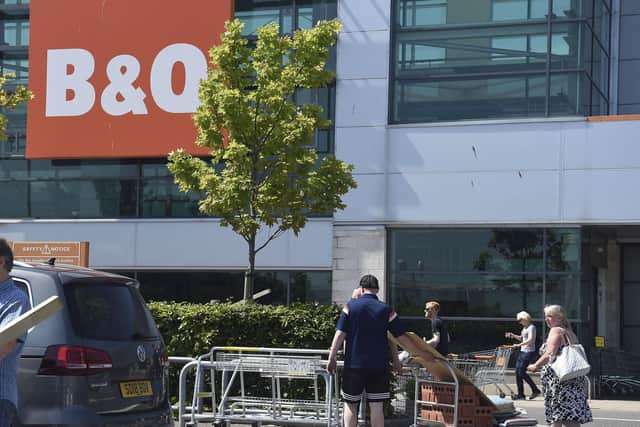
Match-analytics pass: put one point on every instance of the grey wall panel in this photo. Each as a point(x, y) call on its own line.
point(630, 7)
point(363, 147)
point(179, 244)
point(602, 145)
point(363, 55)
point(475, 147)
point(629, 108)
point(364, 15)
point(629, 84)
point(361, 102)
point(629, 36)
point(474, 197)
point(367, 202)
point(601, 195)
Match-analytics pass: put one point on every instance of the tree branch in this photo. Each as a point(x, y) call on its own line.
point(279, 232)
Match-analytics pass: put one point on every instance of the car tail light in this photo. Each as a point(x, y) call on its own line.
point(73, 360)
point(164, 359)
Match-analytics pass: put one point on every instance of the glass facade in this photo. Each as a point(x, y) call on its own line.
point(291, 15)
point(492, 59)
point(91, 189)
point(484, 277)
point(287, 287)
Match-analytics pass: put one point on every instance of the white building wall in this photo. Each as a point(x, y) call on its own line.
point(527, 172)
point(196, 244)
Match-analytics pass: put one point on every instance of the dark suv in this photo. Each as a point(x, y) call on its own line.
point(98, 361)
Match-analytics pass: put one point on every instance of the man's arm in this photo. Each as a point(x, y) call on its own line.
point(436, 327)
point(336, 344)
point(435, 340)
point(395, 360)
point(7, 348)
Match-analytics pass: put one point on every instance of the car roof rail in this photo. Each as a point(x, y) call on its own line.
point(22, 264)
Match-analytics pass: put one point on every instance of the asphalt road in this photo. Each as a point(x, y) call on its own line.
point(606, 413)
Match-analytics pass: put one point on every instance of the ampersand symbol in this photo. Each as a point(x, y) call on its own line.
point(122, 71)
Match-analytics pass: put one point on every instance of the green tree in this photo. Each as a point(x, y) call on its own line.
point(264, 171)
point(10, 99)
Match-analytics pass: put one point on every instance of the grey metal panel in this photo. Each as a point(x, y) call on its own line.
point(630, 7)
point(364, 15)
point(629, 34)
point(629, 85)
point(629, 108)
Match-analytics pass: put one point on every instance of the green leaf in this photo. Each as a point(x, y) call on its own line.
point(264, 170)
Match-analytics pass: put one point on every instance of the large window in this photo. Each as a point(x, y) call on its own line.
point(484, 277)
point(92, 189)
point(459, 60)
point(291, 15)
point(286, 287)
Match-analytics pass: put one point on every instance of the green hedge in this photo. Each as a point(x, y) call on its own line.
point(192, 329)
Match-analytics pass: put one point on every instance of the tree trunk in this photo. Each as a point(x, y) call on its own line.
point(249, 274)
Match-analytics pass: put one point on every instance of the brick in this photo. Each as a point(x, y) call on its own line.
point(482, 421)
point(483, 411)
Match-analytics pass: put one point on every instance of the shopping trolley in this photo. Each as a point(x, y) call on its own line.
point(485, 368)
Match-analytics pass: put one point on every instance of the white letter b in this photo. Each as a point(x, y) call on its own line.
point(59, 81)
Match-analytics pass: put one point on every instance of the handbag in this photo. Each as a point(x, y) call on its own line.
point(570, 362)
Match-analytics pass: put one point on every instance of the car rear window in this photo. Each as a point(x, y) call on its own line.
point(106, 311)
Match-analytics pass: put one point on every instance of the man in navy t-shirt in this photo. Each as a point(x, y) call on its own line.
point(364, 323)
point(439, 332)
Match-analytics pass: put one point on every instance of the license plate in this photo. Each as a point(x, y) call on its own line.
point(136, 389)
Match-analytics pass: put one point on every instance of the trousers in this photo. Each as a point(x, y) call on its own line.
point(524, 359)
point(7, 412)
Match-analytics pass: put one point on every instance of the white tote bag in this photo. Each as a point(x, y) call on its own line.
point(570, 362)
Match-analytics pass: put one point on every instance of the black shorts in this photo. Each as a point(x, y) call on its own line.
point(374, 381)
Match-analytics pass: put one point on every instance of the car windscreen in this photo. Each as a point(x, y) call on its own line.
point(107, 311)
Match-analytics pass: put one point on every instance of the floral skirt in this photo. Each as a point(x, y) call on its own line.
point(564, 400)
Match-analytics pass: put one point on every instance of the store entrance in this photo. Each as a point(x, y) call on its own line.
point(630, 288)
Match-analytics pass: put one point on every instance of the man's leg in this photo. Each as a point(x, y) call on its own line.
point(377, 388)
point(352, 387)
point(7, 412)
point(377, 414)
point(350, 415)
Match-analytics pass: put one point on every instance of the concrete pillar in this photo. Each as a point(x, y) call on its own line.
point(612, 289)
point(357, 251)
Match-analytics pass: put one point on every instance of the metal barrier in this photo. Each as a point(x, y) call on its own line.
point(220, 378)
point(422, 376)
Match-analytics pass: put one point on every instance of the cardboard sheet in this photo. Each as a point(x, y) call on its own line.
point(26, 321)
point(438, 368)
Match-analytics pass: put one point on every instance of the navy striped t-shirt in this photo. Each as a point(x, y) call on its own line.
point(365, 321)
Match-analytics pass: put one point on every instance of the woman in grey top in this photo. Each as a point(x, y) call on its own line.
point(527, 354)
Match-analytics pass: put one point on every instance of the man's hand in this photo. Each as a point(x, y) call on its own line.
point(331, 365)
point(7, 348)
point(397, 366)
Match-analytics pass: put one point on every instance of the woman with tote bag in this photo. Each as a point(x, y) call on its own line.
point(565, 403)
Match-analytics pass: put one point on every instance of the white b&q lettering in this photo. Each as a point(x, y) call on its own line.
point(122, 71)
point(69, 70)
point(59, 81)
point(195, 65)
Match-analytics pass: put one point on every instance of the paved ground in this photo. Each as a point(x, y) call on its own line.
point(607, 413)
